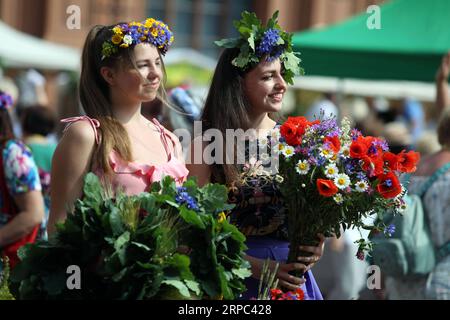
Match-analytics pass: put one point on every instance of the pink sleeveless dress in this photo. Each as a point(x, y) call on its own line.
point(134, 178)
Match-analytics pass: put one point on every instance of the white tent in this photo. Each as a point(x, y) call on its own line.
point(20, 50)
point(388, 89)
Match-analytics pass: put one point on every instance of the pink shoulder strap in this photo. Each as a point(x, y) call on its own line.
point(163, 137)
point(94, 124)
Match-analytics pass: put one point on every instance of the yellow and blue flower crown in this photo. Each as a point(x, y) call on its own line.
point(256, 42)
point(6, 101)
point(132, 33)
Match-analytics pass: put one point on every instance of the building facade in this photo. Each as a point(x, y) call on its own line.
point(196, 23)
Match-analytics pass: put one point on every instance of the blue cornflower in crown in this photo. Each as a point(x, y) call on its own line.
point(256, 42)
point(6, 101)
point(129, 34)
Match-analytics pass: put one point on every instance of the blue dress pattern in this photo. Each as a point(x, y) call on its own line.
point(21, 173)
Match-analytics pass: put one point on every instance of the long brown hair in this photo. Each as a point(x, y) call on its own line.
point(226, 107)
point(95, 99)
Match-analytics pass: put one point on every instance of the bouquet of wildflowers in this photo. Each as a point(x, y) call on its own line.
point(334, 177)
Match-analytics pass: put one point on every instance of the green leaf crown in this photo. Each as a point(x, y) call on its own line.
point(257, 42)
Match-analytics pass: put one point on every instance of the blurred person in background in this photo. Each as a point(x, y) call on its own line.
point(414, 117)
point(397, 136)
point(38, 122)
point(442, 96)
point(436, 200)
point(21, 201)
point(326, 104)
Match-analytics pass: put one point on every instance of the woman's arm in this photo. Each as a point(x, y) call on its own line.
point(195, 164)
point(70, 163)
point(442, 98)
point(31, 213)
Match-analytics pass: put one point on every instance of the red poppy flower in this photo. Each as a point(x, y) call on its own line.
point(388, 185)
point(333, 143)
point(373, 165)
point(358, 149)
point(391, 160)
point(407, 161)
point(289, 132)
point(326, 188)
point(294, 129)
point(300, 294)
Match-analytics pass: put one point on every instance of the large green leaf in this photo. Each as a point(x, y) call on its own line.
point(228, 43)
point(182, 288)
point(191, 217)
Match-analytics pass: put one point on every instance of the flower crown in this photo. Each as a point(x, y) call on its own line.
point(6, 101)
point(132, 33)
point(256, 42)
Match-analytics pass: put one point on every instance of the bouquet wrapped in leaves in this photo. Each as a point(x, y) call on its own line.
point(334, 177)
point(128, 247)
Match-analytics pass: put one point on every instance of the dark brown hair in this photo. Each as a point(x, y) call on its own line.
point(6, 127)
point(226, 108)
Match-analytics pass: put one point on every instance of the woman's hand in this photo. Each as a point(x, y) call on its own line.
point(285, 280)
point(317, 252)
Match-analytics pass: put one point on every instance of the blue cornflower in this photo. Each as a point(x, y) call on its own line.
point(389, 230)
point(388, 183)
point(268, 41)
point(355, 133)
point(183, 197)
point(349, 167)
point(361, 176)
point(382, 144)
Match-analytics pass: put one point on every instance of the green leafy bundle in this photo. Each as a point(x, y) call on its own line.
point(128, 247)
point(5, 294)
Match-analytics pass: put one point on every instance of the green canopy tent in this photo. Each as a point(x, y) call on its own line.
point(413, 37)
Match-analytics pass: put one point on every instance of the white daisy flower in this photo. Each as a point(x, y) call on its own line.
point(402, 208)
point(334, 158)
point(263, 142)
point(342, 181)
point(278, 148)
point(326, 153)
point(127, 39)
point(302, 167)
point(331, 171)
point(288, 151)
point(361, 186)
point(345, 151)
point(338, 198)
